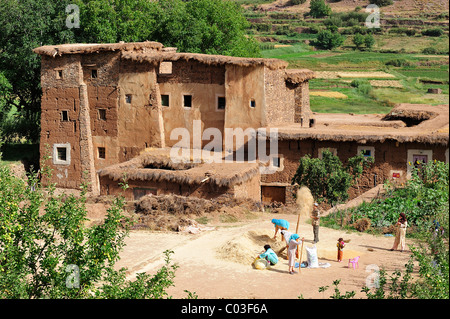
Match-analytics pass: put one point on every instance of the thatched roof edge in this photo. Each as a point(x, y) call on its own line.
point(442, 139)
point(85, 48)
point(129, 171)
point(158, 57)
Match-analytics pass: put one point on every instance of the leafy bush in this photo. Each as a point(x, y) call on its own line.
point(362, 86)
point(382, 3)
point(398, 62)
point(329, 40)
point(423, 199)
point(435, 32)
point(430, 50)
point(296, 2)
point(47, 251)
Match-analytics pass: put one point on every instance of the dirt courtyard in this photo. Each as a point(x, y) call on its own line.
point(210, 264)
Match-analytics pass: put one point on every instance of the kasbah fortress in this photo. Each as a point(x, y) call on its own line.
point(108, 111)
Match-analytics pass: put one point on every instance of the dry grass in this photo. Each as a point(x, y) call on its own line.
point(330, 94)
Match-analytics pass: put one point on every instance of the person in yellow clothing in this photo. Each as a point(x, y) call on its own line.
point(400, 235)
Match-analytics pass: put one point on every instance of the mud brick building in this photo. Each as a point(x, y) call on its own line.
point(103, 104)
point(109, 110)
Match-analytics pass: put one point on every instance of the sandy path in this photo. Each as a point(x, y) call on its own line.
point(203, 272)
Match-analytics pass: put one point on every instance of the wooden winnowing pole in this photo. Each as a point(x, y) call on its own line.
point(301, 251)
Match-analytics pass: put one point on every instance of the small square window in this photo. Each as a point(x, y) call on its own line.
point(187, 100)
point(65, 116)
point(102, 114)
point(59, 74)
point(94, 73)
point(128, 98)
point(252, 103)
point(101, 152)
point(221, 103)
point(164, 100)
point(61, 153)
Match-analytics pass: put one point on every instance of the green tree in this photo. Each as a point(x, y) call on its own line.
point(328, 178)
point(328, 40)
point(358, 40)
point(319, 9)
point(47, 251)
point(369, 40)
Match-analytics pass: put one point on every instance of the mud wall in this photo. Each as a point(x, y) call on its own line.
point(390, 160)
point(60, 81)
point(204, 84)
point(279, 99)
point(139, 110)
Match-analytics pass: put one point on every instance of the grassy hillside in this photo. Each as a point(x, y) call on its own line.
point(400, 68)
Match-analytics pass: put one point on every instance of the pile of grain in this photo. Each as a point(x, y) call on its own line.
point(246, 248)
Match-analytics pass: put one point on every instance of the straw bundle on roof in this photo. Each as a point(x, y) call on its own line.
point(296, 76)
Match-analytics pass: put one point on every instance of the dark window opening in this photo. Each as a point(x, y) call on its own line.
point(187, 100)
point(221, 103)
point(101, 152)
point(64, 116)
point(94, 73)
point(59, 74)
point(61, 153)
point(366, 153)
point(128, 98)
point(252, 103)
point(102, 114)
point(164, 100)
point(276, 162)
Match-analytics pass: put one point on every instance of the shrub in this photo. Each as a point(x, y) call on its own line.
point(430, 50)
point(369, 41)
point(381, 3)
point(358, 40)
point(295, 2)
point(435, 32)
point(362, 86)
point(398, 62)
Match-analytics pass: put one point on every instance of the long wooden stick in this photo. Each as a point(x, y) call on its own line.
point(300, 259)
point(296, 231)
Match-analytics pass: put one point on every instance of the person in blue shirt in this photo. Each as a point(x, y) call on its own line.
point(269, 255)
point(280, 224)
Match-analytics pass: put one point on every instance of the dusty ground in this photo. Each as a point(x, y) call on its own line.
point(204, 271)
